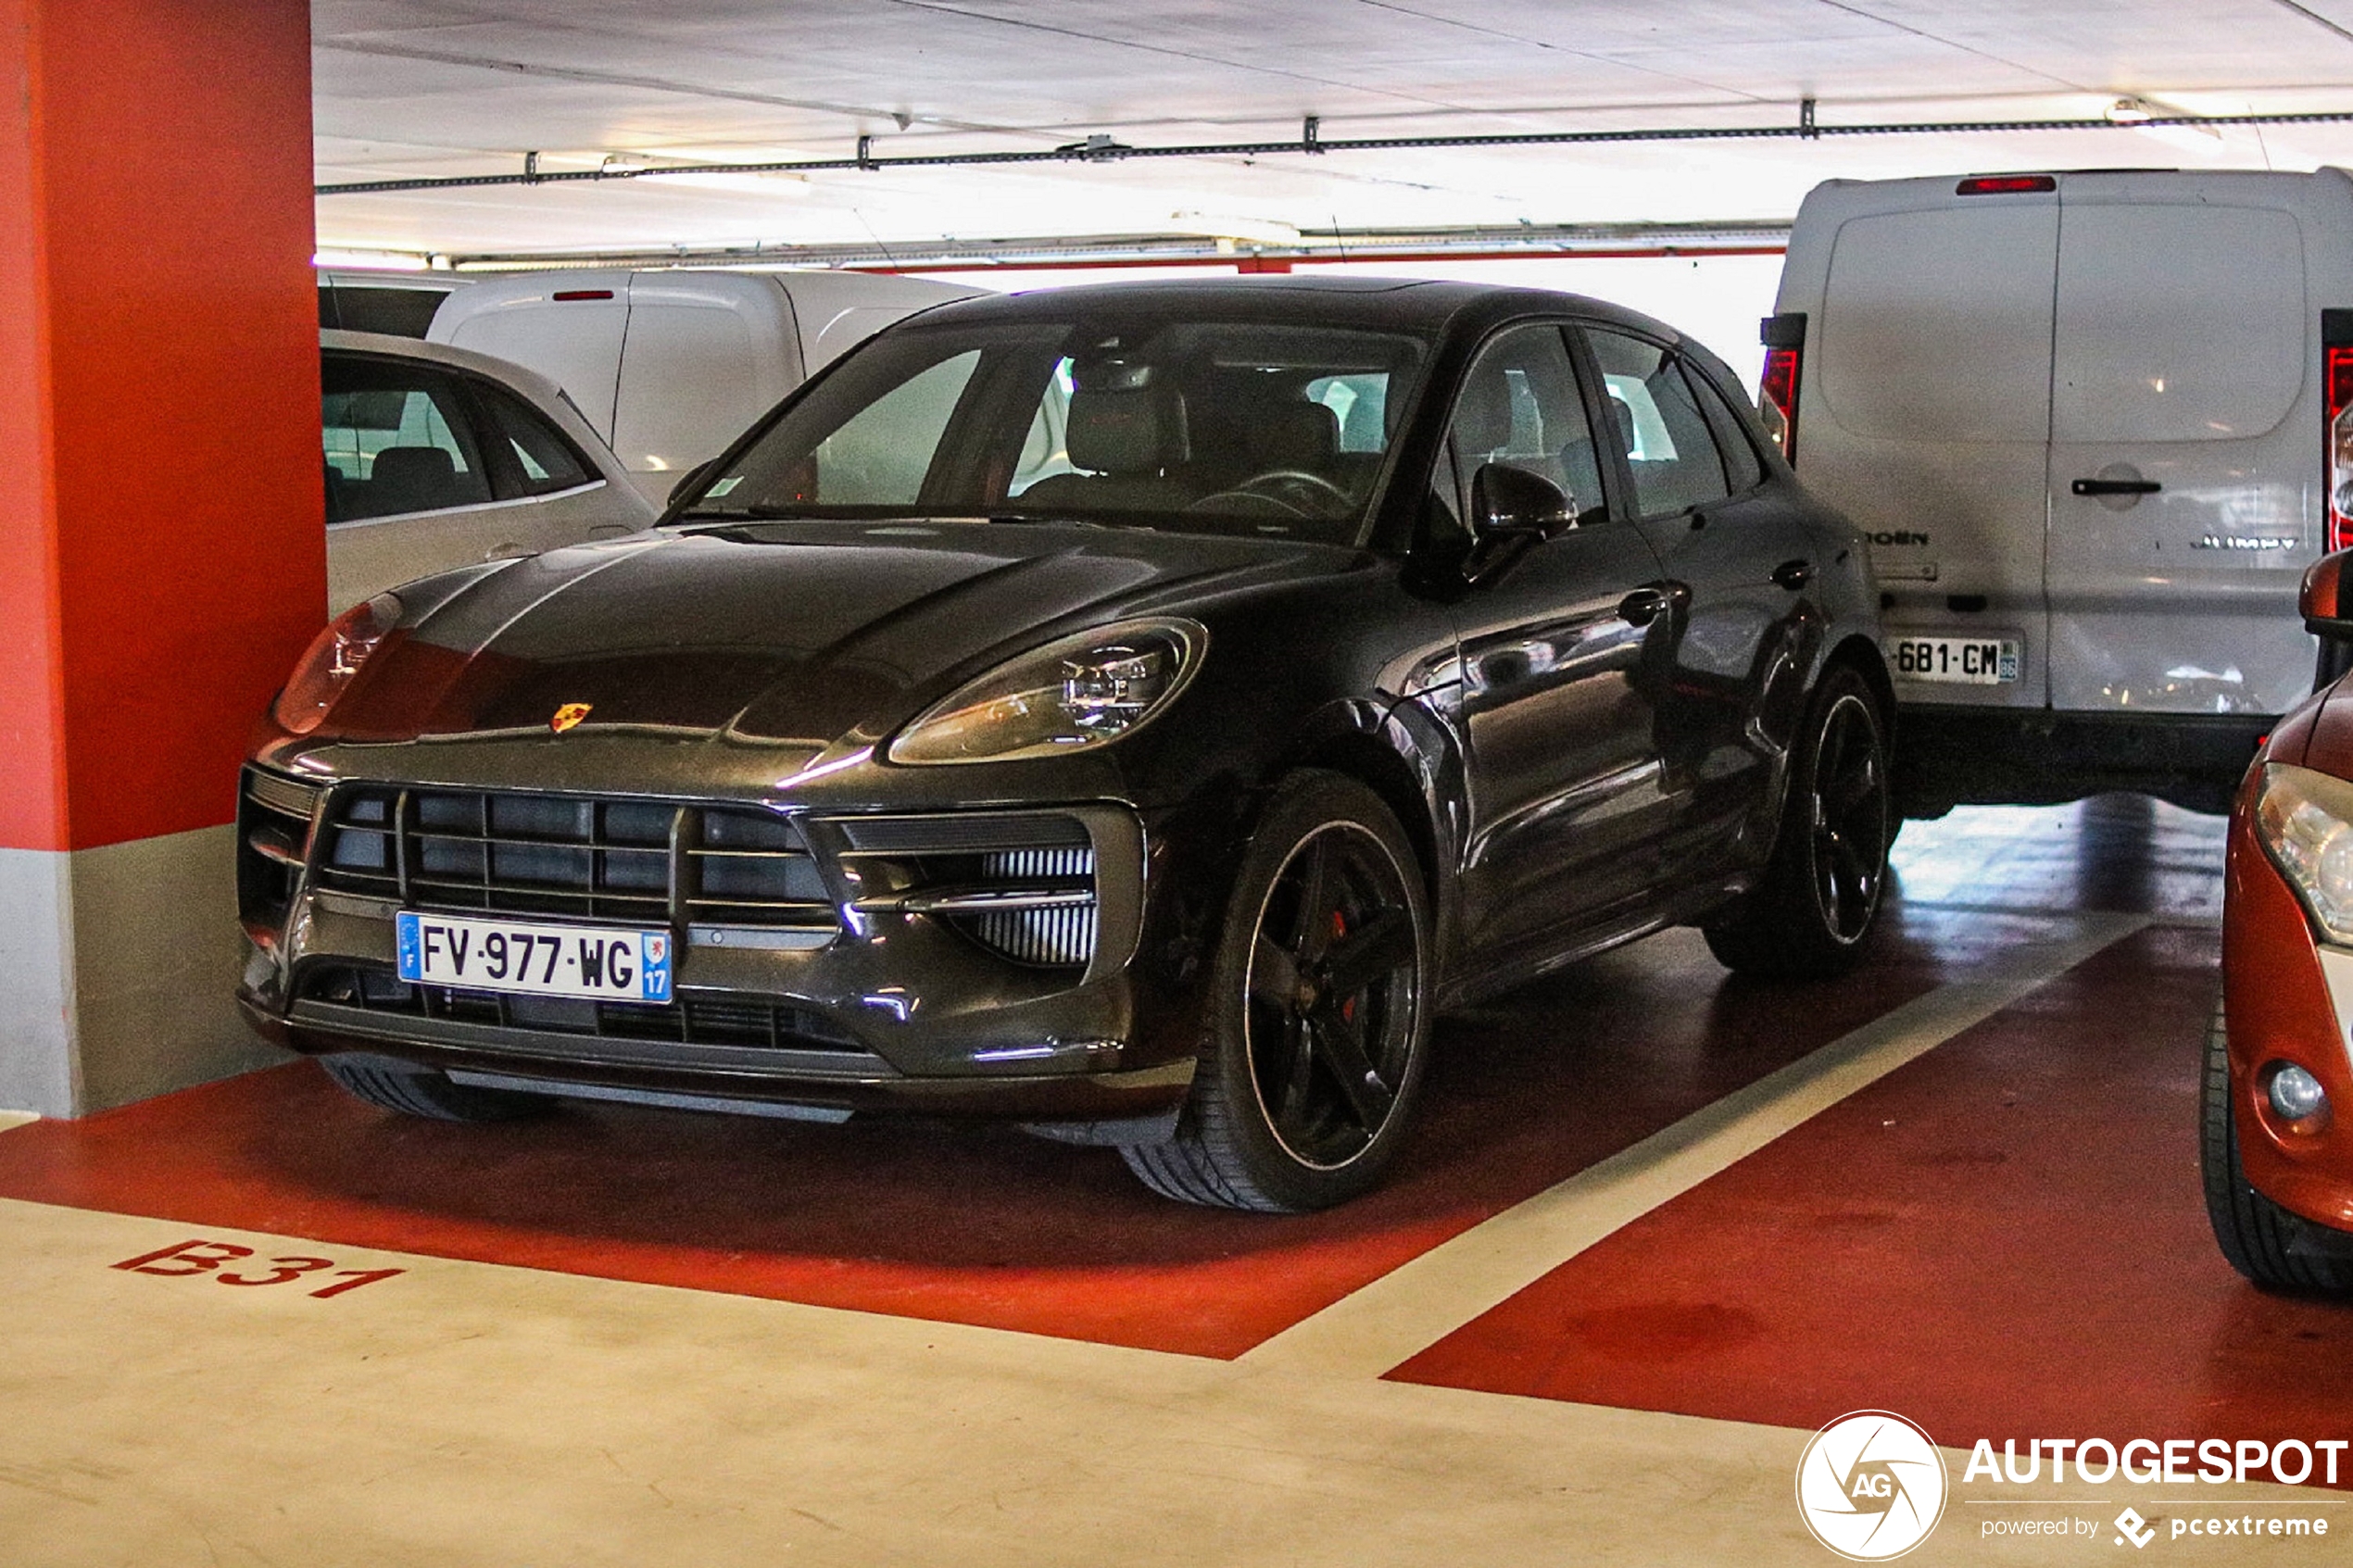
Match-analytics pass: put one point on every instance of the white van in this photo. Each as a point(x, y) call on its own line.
point(670, 365)
point(2086, 421)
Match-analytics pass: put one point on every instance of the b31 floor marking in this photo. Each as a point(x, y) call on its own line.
point(189, 1259)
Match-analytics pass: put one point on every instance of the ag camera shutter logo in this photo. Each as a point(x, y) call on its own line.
point(1870, 1485)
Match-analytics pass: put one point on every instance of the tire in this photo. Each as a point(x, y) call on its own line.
point(1325, 960)
point(1812, 914)
point(2252, 1231)
point(422, 1091)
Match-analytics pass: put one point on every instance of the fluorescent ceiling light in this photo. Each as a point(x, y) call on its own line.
point(1250, 231)
point(372, 260)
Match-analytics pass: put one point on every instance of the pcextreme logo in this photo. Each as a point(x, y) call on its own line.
point(1870, 1485)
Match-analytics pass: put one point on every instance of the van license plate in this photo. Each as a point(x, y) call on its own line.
point(539, 961)
point(1966, 661)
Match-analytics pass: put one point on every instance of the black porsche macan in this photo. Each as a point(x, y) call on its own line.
point(1130, 711)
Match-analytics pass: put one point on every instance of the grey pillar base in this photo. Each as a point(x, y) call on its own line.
point(117, 970)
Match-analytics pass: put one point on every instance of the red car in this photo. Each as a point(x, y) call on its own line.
point(2279, 1166)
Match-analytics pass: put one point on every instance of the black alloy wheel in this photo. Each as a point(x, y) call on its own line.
point(1823, 888)
point(1849, 809)
point(1316, 1047)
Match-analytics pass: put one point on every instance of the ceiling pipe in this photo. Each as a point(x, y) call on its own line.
point(1311, 142)
point(1517, 241)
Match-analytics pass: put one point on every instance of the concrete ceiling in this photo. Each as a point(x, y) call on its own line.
point(461, 87)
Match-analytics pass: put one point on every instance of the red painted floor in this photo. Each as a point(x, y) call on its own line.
point(2004, 1239)
point(976, 1225)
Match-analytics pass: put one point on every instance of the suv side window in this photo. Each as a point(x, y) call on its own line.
point(1668, 447)
point(1519, 406)
point(396, 439)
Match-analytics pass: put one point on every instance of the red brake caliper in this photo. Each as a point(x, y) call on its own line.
point(1340, 929)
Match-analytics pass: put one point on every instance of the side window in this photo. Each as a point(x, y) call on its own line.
point(396, 439)
point(1665, 436)
point(1741, 468)
point(1519, 406)
point(544, 461)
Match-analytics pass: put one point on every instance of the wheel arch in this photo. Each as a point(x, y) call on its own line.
point(1371, 761)
point(1860, 654)
point(1409, 757)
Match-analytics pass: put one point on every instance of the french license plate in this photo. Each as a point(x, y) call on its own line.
point(540, 960)
point(1966, 661)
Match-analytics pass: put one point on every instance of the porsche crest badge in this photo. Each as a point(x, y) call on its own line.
point(570, 714)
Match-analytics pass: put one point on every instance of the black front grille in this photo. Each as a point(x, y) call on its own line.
point(638, 862)
point(768, 1022)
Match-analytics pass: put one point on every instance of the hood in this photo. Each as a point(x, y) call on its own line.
point(782, 632)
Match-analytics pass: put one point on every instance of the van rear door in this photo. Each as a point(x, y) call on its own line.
point(707, 353)
point(1927, 418)
point(2183, 446)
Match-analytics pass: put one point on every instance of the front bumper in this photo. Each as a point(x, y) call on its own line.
point(2287, 998)
point(896, 1004)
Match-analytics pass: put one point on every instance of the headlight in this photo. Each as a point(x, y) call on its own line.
point(2306, 821)
point(1083, 691)
point(333, 657)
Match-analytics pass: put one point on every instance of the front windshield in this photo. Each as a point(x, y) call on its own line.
point(1192, 426)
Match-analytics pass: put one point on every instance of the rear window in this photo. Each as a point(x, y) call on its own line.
point(2177, 323)
point(396, 439)
point(1936, 326)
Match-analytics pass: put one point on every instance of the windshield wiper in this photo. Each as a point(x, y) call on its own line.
point(1049, 521)
point(741, 514)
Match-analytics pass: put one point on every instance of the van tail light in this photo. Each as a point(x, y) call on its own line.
point(2007, 185)
point(1784, 339)
point(2336, 388)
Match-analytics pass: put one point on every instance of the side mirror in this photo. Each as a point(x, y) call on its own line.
point(1516, 511)
point(686, 483)
point(2322, 600)
point(1504, 498)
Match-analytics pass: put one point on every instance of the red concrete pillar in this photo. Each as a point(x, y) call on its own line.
point(162, 554)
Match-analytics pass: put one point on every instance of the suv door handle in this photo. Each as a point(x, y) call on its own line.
point(2115, 487)
point(1793, 574)
point(1650, 601)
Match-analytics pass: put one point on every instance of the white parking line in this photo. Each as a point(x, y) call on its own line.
point(1418, 1304)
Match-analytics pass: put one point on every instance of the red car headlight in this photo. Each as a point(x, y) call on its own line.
point(332, 659)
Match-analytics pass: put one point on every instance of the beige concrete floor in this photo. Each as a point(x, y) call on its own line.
point(466, 1415)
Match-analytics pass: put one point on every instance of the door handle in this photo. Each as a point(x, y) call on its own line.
point(1650, 601)
point(1793, 574)
point(2115, 487)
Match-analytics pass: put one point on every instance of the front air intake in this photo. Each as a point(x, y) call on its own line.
point(1059, 934)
